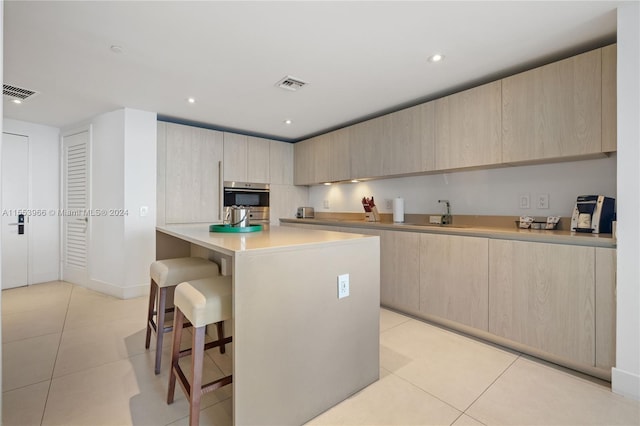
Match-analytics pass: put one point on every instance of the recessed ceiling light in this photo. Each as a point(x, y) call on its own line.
point(436, 57)
point(287, 121)
point(16, 101)
point(191, 100)
point(116, 49)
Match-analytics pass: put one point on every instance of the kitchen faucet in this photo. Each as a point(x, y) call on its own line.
point(447, 219)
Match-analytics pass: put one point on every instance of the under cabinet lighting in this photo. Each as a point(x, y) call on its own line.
point(191, 100)
point(287, 121)
point(436, 57)
point(16, 101)
point(327, 183)
point(355, 181)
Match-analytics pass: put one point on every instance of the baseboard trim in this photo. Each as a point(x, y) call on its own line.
point(625, 383)
point(118, 291)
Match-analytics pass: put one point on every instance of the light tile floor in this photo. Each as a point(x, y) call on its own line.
point(72, 356)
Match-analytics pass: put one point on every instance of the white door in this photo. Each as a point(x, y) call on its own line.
point(75, 207)
point(15, 205)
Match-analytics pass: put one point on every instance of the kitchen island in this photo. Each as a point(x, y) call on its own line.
point(298, 349)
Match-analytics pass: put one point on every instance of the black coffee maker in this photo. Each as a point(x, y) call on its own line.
point(593, 214)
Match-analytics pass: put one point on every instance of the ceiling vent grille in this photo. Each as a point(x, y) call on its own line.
point(291, 83)
point(15, 92)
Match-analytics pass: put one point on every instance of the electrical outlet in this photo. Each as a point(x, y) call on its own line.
point(543, 201)
point(325, 204)
point(144, 210)
point(389, 204)
point(343, 286)
point(524, 201)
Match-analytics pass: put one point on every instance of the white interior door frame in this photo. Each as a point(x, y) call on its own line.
point(75, 226)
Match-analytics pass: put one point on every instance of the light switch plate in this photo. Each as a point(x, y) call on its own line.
point(543, 201)
point(524, 201)
point(343, 286)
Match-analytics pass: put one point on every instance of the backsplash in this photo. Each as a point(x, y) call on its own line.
point(479, 192)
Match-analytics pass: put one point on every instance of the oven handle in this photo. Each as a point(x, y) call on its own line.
point(261, 191)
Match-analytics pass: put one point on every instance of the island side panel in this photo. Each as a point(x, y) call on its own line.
point(298, 349)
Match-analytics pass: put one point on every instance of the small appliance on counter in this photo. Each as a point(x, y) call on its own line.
point(305, 213)
point(593, 214)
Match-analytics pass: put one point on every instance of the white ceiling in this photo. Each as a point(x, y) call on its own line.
point(360, 58)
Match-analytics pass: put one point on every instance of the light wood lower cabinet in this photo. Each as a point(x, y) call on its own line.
point(542, 295)
point(605, 307)
point(400, 269)
point(454, 278)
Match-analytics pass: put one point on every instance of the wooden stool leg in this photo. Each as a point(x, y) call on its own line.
point(175, 353)
point(152, 303)
point(197, 358)
point(220, 328)
point(160, 327)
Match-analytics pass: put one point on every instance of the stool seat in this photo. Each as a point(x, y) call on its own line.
point(165, 276)
point(171, 272)
point(205, 301)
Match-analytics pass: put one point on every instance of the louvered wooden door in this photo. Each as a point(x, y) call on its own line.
point(75, 208)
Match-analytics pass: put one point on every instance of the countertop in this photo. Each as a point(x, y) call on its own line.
point(271, 238)
point(512, 233)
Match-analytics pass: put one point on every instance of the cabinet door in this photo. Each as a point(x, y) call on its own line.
point(161, 172)
point(304, 165)
point(454, 278)
point(340, 155)
point(257, 160)
point(553, 111)
point(235, 157)
point(605, 307)
point(609, 98)
point(193, 161)
point(367, 149)
point(400, 269)
point(468, 131)
point(410, 147)
point(281, 163)
point(542, 295)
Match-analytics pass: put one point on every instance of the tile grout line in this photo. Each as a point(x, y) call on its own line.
point(491, 384)
point(64, 322)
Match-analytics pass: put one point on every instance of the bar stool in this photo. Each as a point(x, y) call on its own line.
point(165, 276)
point(202, 302)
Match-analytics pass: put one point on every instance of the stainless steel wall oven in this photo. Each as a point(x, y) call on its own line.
point(253, 195)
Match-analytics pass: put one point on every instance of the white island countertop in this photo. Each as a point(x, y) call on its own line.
point(271, 238)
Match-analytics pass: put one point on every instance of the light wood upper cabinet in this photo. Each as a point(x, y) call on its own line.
point(367, 147)
point(281, 162)
point(609, 98)
point(454, 278)
point(605, 307)
point(192, 161)
point(304, 162)
point(323, 158)
point(553, 111)
point(542, 295)
point(409, 144)
point(468, 128)
point(246, 158)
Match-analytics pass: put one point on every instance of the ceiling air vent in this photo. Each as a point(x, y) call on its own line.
point(15, 92)
point(291, 83)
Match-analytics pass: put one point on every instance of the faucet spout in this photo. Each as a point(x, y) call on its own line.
point(447, 219)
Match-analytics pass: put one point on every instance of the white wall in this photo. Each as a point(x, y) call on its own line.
point(139, 191)
point(1, 130)
point(479, 192)
point(106, 247)
point(44, 186)
point(626, 374)
point(123, 178)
